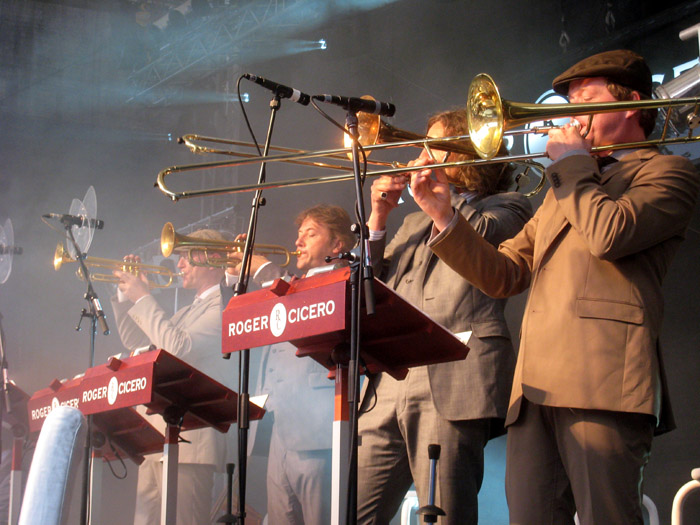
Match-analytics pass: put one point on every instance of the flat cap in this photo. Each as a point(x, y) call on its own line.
point(621, 66)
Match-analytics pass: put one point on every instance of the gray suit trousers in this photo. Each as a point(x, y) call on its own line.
point(396, 427)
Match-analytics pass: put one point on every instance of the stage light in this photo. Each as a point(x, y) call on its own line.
point(684, 85)
point(322, 43)
point(245, 97)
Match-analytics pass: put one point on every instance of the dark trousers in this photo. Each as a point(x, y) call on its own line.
point(560, 461)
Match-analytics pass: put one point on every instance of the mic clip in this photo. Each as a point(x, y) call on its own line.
point(344, 256)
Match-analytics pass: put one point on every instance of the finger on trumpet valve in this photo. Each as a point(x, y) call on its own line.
point(575, 124)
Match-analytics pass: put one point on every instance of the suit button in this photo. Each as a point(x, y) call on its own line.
point(555, 180)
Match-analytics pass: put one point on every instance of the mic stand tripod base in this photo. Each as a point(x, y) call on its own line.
point(430, 513)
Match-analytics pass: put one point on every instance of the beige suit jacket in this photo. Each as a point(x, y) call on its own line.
point(594, 256)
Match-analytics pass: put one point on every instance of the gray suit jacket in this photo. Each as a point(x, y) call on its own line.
point(194, 335)
point(594, 256)
point(477, 387)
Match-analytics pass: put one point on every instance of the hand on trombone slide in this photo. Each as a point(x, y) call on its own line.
point(567, 138)
point(431, 191)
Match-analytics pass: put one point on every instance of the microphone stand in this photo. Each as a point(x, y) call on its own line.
point(96, 314)
point(360, 271)
point(244, 355)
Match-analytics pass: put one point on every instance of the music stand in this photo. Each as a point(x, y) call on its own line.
point(186, 398)
point(314, 315)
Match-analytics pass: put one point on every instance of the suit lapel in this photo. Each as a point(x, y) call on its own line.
point(409, 250)
point(194, 310)
point(553, 223)
point(424, 228)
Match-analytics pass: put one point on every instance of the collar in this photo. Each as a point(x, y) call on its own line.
point(206, 293)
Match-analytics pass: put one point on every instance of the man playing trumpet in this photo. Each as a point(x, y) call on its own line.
point(194, 335)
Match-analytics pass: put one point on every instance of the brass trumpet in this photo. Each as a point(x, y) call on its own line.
point(170, 241)
point(61, 257)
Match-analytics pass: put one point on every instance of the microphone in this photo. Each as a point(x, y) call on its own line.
point(280, 90)
point(372, 106)
point(75, 220)
point(430, 512)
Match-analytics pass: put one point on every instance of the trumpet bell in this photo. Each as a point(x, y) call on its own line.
point(167, 239)
point(60, 256)
point(372, 131)
point(368, 128)
point(170, 241)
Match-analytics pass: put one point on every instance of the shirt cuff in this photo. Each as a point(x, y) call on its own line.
point(260, 269)
point(377, 235)
point(231, 279)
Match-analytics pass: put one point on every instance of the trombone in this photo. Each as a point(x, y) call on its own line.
point(374, 134)
point(489, 117)
point(61, 257)
point(170, 241)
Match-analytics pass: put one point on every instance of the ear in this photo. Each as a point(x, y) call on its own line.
point(632, 112)
point(337, 245)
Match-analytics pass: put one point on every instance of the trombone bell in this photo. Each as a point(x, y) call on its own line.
point(488, 116)
point(485, 116)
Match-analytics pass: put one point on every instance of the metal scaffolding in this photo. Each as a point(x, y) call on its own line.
point(209, 44)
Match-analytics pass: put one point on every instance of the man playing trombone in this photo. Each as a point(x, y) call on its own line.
point(458, 405)
point(194, 335)
point(589, 389)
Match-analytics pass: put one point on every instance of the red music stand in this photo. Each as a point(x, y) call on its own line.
point(186, 398)
point(314, 315)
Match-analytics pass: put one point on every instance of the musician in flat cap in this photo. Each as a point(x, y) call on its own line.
point(589, 390)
